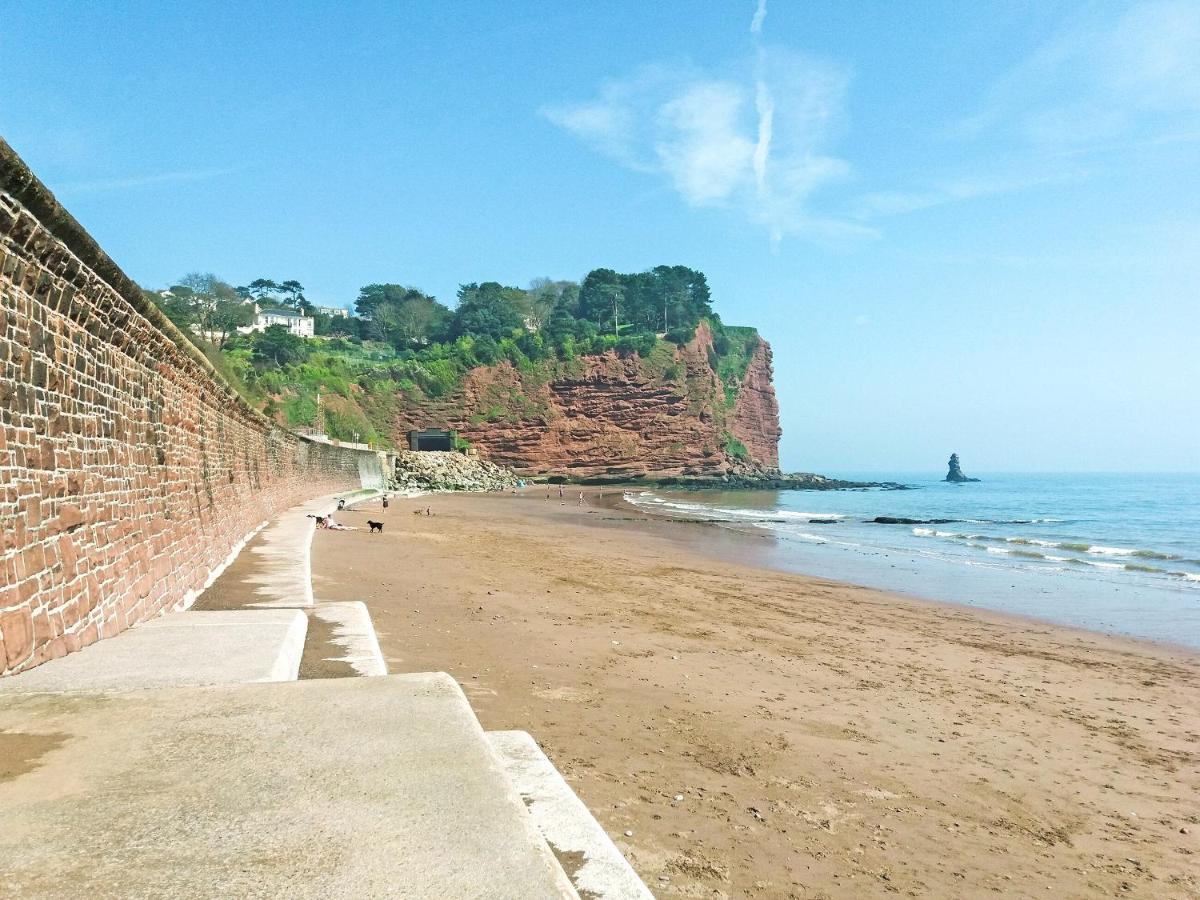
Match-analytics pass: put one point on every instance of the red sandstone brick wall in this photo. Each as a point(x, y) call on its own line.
point(128, 469)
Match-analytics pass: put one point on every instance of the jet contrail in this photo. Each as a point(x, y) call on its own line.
point(759, 14)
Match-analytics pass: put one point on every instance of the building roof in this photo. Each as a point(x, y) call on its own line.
point(284, 313)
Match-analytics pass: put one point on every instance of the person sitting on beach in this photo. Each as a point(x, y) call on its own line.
point(341, 505)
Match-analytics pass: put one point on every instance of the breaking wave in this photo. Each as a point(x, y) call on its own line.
point(1074, 546)
point(988, 546)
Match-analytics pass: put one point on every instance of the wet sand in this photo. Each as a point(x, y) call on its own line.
point(772, 735)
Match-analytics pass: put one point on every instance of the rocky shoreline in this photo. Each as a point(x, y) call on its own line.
point(448, 471)
point(766, 481)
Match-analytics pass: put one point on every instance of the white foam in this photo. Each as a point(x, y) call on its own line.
point(729, 514)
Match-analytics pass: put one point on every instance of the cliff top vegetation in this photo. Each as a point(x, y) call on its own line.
point(404, 343)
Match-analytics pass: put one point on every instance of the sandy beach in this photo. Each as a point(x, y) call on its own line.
point(743, 732)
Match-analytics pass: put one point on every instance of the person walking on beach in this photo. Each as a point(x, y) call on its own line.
point(561, 500)
point(581, 498)
point(385, 501)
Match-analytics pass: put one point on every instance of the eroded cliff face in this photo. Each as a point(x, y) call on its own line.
point(604, 417)
point(755, 419)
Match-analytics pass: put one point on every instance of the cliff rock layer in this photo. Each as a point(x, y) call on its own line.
point(755, 419)
point(608, 417)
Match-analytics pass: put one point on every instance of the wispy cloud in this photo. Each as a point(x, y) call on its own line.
point(760, 13)
point(897, 202)
point(129, 182)
point(1128, 73)
point(1118, 80)
point(753, 143)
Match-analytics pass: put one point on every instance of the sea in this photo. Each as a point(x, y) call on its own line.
point(1114, 553)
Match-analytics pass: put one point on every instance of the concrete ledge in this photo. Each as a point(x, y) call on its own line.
point(351, 637)
point(591, 860)
point(187, 648)
point(344, 787)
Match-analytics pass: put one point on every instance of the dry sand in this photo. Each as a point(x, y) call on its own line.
point(769, 735)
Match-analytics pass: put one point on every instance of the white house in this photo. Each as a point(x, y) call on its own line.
point(295, 322)
point(334, 312)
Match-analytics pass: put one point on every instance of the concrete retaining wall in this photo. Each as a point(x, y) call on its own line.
point(129, 469)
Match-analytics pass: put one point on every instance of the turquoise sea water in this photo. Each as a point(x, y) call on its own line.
point(1111, 553)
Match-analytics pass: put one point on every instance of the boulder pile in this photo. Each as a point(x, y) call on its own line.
point(445, 471)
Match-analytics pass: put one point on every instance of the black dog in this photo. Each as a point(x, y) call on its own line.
point(375, 526)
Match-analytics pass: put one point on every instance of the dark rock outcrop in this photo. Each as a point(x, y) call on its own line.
point(900, 520)
point(956, 473)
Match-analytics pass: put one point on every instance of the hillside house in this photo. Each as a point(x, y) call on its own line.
point(295, 322)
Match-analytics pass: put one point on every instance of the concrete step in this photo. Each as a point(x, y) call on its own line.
point(589, 857)
point(341, 642)
point(186, 648)
point(341, 787)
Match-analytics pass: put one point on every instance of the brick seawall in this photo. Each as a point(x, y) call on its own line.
point(129, 469)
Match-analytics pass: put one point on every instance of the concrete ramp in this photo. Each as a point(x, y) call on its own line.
point(347, 787)
point(186, 648)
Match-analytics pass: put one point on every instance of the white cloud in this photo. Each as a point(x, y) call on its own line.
point(1103, 78)
point(753, 144)
point(700, 147)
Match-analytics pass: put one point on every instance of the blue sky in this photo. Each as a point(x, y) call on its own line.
point(970, 227)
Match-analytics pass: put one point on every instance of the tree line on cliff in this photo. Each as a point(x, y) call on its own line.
point(404, 342)
point(605, 303)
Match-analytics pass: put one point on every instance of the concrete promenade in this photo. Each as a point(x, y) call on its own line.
point(184, 758)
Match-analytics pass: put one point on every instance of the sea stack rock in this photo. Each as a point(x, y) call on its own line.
point(956, 473)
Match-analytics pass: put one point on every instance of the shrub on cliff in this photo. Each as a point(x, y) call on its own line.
point(641, 343)
point(279, 347)
point(681, 335)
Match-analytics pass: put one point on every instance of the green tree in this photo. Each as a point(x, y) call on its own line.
point(403, 316)
point(292, 293)
point(658, 300)
point(420, 319)
point(682, 294)
point(278, 347)
point(601, 297)
point(262, 289)
point(487, 309)
point(176, 308)
point(544, 296)
point(210, 306)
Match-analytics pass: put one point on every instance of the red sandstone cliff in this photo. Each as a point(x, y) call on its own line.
point(609, 417)
point(755, 419)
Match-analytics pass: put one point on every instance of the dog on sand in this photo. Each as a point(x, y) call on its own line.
point(375, 526)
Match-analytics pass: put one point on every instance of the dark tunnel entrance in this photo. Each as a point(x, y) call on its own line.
point(431, 439)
